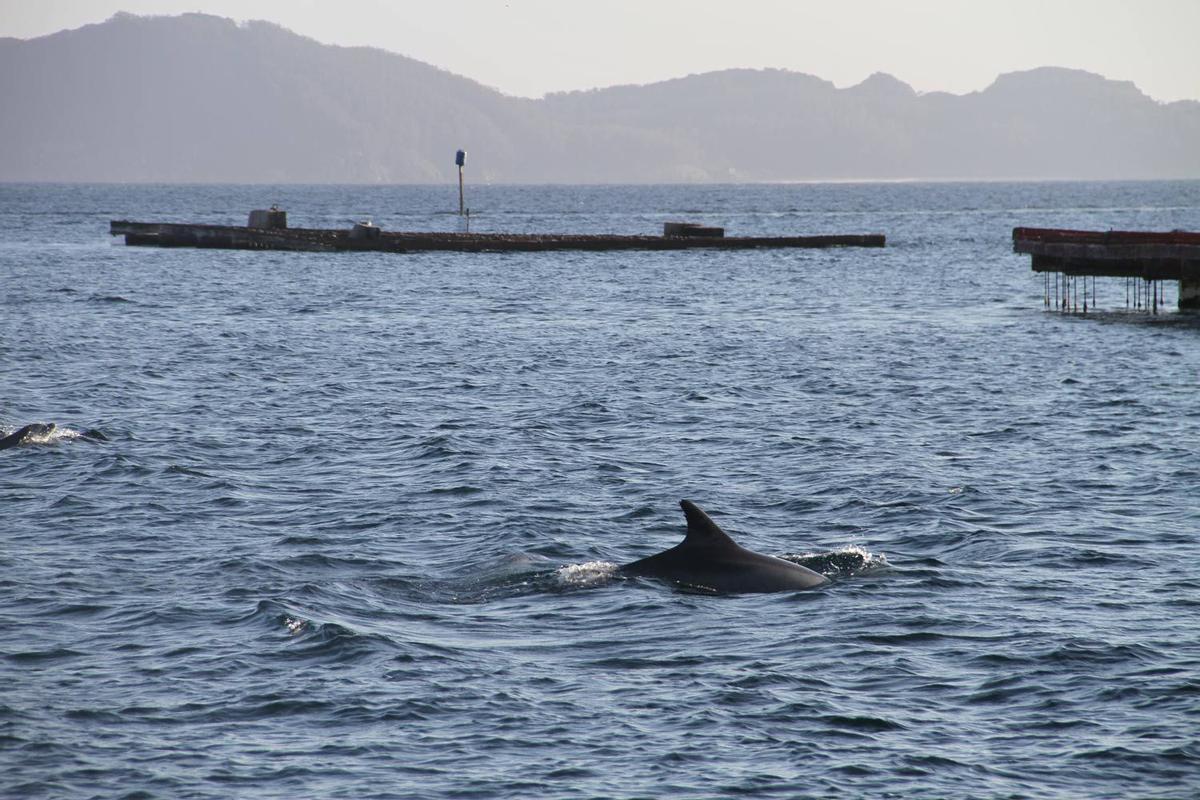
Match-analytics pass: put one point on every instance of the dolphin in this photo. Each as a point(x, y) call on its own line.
point(707, 559)
point(19, 436)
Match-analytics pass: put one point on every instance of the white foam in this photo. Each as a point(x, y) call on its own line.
point(592, 573)
point(57, 434)
point(60, 433)
point(871, 561)
point(821, 561)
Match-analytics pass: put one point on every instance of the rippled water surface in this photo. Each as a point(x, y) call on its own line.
point(354, 529)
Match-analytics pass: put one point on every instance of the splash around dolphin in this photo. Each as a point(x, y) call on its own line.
point(708, 560)
point(46, 432)
point(24, 434)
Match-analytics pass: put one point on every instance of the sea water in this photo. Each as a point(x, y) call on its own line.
point(355, 527)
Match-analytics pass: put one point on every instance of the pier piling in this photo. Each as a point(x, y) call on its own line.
point(1146, 258)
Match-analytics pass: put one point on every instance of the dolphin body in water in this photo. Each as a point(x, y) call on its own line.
point(44, 430)
point(708, 560)
point(19, 436)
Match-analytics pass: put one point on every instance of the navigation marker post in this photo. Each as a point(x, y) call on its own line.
point(460, 158)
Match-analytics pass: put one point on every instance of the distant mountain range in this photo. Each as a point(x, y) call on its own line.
point(204, 99)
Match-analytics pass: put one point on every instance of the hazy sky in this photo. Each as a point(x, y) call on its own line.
point(530, 47)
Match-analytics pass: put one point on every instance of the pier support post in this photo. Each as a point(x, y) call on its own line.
point(1189, 286)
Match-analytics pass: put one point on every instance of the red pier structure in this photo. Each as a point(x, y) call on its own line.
point(1144, 258)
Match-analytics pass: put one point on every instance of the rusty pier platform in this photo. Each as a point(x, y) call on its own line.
point(1143, 258)
point(268, 232)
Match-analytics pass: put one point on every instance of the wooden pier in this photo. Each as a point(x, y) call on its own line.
point(1145, 258)
point(366, 237)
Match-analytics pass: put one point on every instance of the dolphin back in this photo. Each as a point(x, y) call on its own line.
point(708, 559)
point(19, 436)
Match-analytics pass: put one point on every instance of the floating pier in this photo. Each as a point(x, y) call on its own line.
point(268, 231)
point(1144, 258)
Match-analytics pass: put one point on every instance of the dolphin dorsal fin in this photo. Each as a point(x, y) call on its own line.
point(701, 529)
